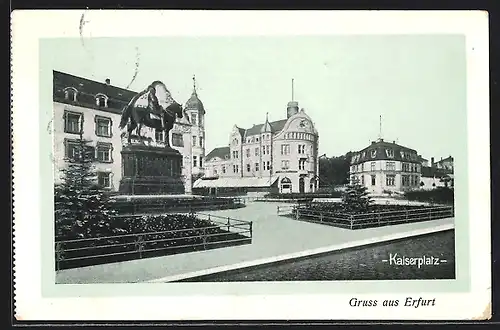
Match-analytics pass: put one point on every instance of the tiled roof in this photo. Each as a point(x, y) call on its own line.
point(382, 150)
point(219, 152)
point(275, 125)
point(87, 91)
point(433, 172)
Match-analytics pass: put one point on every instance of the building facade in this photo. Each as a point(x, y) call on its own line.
point(93, 110)
point(279, 156)
point(385, 167)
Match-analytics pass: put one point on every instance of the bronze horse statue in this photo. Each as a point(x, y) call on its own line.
point(154, 107)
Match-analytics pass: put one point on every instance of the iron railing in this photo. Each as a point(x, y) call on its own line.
point(366, 220)
point(223, 231)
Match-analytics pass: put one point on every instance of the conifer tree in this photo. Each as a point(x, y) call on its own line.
point(82, 208)
point(356, 197)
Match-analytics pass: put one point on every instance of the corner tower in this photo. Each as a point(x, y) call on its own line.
point(196, 113)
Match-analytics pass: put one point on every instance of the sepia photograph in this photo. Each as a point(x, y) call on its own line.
point(189, 163)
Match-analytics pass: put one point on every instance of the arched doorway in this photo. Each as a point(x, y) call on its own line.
point(301, 185)
point(286, 185)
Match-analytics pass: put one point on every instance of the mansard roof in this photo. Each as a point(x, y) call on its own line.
point(382, 150)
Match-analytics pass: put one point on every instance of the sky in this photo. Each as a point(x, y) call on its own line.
point(417, 83)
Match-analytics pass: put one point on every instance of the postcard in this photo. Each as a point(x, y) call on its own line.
point(251, 165)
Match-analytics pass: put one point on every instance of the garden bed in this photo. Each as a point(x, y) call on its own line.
point(148, 236)
point(376, 216)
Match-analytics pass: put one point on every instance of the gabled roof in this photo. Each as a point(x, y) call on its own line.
point(382, 150)
point(219, 152)
point(447, 159)
point(87, 91)
point(276, 126)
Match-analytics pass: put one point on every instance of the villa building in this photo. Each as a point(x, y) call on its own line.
point(386, 167)
point(279, 156)
point(93, 109)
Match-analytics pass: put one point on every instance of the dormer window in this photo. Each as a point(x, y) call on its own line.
point(402, 154)
point(256, 139)
point(389, 153)
point(70, 93)
point(363, 154)
point(101, 100)
point(374, 153)
point(194, 119)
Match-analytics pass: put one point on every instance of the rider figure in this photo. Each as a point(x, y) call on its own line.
point(154, 106)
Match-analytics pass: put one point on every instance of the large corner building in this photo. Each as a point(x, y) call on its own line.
point(93, 109)
point(279, 156)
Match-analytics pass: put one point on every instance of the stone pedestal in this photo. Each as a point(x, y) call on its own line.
point(148, 170)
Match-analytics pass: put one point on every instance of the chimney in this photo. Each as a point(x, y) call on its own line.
point(432, 161)
point(108, 81)
point(394, 141)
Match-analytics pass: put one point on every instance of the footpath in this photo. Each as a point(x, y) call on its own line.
point(275, 238)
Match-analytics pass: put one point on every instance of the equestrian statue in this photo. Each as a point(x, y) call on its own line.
point(155, 108)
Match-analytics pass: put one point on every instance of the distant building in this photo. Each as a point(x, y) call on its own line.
point(433, 177)
point(446, 163)
point(385, 166)
point(423, 161)
point(94, 108)
point(280, 156)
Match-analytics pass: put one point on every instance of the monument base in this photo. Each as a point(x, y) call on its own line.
point(150, 170)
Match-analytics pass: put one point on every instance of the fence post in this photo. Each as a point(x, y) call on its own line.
point(378, 219)
point(320, 216)
point(204, 238)
point(430, 213)
point(407, 217)
point(228, 223)
point(251, 229)
point(351, 220)
point(297, 212)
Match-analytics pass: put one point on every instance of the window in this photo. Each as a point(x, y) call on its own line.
point(71, 149)
point(353, 168)
point(248, 152)
point(101, 100)
point(201, 141)
point(159, 136)
point(363, 154)
point(390, 180)
point(223, 168)
point(285, 149)
point(256, 139)
point(102, 126)
point(389, 153)
point(73, 122)
point(263, 150)
point(268, 149)
point(215, 172)
point(405, 180)
point(390, 166)
point(256, 151)
point(235, 169)
point(235, 142)
point(104, 179)
point(362, 167)
point(374, 153)
point(235, 154)
point(194, 140)
point(373, 166)
point(248, 168)
point(70, 93)
point(302, 149)
point(201, 161)
point(373, 180)
point(195, 161)
point(103, 152)
point(194, 119)
point(256, 167)
point(363, 180)
point(177, 140)
point(302, 163)
point(405, 167)
point(267, 166)
point(285, 164)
